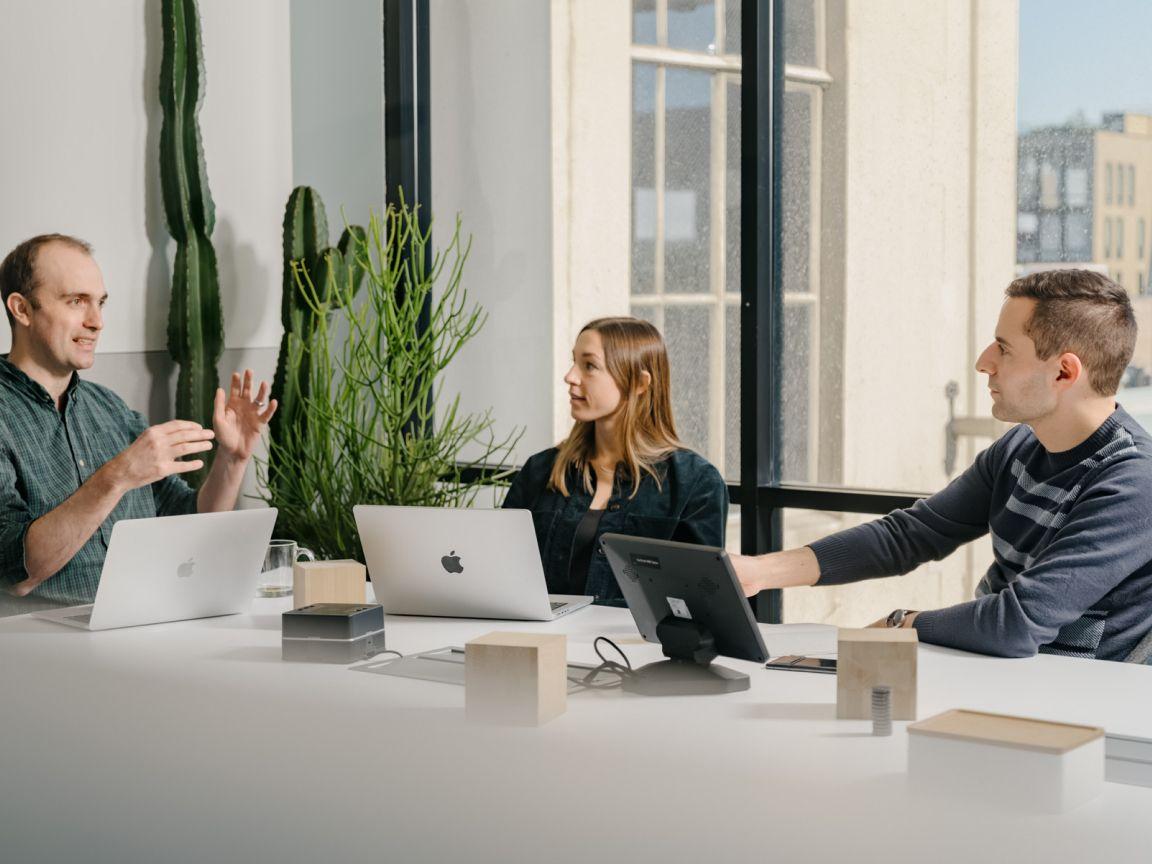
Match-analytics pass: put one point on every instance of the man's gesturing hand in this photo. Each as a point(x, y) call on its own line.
point(241, 416)
point(157, 452)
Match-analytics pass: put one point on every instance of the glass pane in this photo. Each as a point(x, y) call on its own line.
point(692, 25)
point(732, 191)
point(1050, 235)
point(654, 315)
point(800, 32)
point(732, 532)
point(1077, 237)
point(687, 332)
point(643, 178)
point(1076, 186)
point(731, 467)
point(1028, 183)
point(732, 26)
point(796, 186)
point(687, 179)
point(932, 586)
point(644, 22)
point(797, 394)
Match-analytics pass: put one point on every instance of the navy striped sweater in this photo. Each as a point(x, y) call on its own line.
point(1071, 538)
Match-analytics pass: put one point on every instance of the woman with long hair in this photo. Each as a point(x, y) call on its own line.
point(621, 469)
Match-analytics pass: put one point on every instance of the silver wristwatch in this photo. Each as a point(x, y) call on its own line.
point(896, 619)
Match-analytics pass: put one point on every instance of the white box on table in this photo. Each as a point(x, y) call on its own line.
point(1019, 762)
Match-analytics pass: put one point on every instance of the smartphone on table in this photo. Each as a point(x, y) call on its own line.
point(801, 663)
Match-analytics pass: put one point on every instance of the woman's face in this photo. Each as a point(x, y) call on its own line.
point(592, 392)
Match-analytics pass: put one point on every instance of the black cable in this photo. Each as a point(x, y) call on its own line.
point(588, 682)
point(596, 647)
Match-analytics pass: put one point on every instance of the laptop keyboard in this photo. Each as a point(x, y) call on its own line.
point(86, 618)
point(556, 605)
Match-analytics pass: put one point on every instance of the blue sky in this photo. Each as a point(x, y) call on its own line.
point(1075, 55)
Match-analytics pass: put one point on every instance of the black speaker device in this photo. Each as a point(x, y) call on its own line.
point(332, 632)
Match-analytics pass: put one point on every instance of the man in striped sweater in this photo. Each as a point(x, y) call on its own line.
point(1066, 494)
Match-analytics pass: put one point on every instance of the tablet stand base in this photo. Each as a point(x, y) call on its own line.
point(684, 678)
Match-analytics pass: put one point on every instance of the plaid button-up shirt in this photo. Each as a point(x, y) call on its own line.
point(46, 454)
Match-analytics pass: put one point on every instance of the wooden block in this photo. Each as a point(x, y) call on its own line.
point(1017, 762)
point(339, 581)
point(516, 679)
point(873, 657)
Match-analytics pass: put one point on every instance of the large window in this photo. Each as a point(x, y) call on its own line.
point(899, 212)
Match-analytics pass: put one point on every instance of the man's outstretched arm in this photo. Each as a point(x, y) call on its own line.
point(929, 530)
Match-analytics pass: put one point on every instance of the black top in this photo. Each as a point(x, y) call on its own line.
point(583, 544)
point(690, 504)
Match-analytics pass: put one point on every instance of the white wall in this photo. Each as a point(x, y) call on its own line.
point(492, 163)
point(83, 79)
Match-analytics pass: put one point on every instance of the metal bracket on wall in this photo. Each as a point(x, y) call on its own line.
point(969, 427)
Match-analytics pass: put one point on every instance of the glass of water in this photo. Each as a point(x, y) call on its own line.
point(276, 575)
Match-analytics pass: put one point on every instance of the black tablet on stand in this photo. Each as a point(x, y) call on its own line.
point(686, 598)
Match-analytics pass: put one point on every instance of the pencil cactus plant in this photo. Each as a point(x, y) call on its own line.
point(375, 386)
point(195, 317)
point(308, 259)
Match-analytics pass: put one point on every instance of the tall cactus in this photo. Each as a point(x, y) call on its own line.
point(195, 317)
point(306, 247)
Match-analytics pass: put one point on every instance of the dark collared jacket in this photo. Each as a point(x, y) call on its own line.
point(690, 506)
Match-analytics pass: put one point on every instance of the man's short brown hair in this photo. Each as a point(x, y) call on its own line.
point(18, 271)
point(1084, 313)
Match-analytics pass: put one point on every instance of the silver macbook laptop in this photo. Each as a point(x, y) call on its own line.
point(458, 563)
point(172, 568)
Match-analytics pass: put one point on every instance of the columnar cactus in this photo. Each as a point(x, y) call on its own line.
point(195, 317)
point(307, 258)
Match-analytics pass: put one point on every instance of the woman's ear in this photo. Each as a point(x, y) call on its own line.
point(645, 382)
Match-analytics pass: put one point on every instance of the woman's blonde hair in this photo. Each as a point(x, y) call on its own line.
point(644, 419)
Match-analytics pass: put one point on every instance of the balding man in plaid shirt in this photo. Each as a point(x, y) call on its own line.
point(74, 459)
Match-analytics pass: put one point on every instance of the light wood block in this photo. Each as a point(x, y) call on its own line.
point(873, 657)
point(339, 581)
point(1020, 762)
point(517, 679)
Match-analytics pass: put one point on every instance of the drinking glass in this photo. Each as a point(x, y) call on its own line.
point(276, 575)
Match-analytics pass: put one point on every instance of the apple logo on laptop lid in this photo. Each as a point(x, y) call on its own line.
point(186, 569)
point(451, 563)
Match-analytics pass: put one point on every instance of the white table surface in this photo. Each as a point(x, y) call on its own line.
point(194, 742)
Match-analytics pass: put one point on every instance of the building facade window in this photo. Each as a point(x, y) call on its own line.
point(1077, 239)
point(1108, 183)
point(1107, 237)
point(1140, 226)
point(1119, 238)
point(1131, 185)
point(1049, 187)
point(1075, 186)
